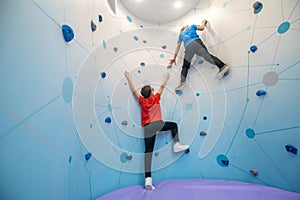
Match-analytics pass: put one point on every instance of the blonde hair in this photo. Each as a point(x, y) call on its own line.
point(183, 27)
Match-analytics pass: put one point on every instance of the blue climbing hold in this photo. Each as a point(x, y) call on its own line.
point(261, 93)
point(253, 48)
point(108, 120)
point(93, 26)
point(178, 92)
point(68, 33)
point(187, 151)
point(164, 46)
point(250, 133)
point(87, 156)
point(291, 148)
point(100, 18)
point(257, 7)
point(103, 74)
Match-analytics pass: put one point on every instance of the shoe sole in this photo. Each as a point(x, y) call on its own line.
point(179, 88)
point(180, 150)
point(223, 73)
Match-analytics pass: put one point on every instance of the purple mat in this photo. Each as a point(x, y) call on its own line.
point(197, 189)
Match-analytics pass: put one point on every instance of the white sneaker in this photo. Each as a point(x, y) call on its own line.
point(177, 147)
point(222, 71)
point(180, 86)
point(148, 184)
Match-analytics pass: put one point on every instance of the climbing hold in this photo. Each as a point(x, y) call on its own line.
point(87, 156)
point(70, 159)
point(257, 7)
point(103, 74)
point(164, 46)
point(108, 120)
point(68, 33)
point(129, 157)
point(291, 148)
point(124, 123)
point(129, 19)
point(123, 157)
point(187, 151)
point(178, 92)
point(135, 38)
point(253, 48)
point(115, 49)
point(250, 133)
point(156, 154)
point(261, 93)
point(203, 133)
point(67, 91)
point(225, 162)
point(205, 118)
point(93, 26)
point(284, 27)
point(254, 172)
point(142, 64)
point(104, 44)
point(100, 18)
point(222, 160)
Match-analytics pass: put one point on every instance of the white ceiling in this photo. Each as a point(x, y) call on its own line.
point(159, 11)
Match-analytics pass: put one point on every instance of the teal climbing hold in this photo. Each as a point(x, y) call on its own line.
point(67, 91)
point(68, 33)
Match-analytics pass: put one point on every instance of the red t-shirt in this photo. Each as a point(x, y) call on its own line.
point(151, 111)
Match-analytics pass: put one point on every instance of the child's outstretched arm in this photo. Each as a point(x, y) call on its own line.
point(163, 84)
point(132, 88)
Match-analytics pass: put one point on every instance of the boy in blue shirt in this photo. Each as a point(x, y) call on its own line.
point(193, 45)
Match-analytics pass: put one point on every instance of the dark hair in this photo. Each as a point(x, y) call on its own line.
point(146, 91)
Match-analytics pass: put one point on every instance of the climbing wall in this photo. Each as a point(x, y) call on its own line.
point(69, 120)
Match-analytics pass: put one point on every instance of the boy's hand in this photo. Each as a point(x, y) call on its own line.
point(127, 75)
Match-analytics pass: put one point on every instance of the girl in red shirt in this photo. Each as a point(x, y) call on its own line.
point(153, 123)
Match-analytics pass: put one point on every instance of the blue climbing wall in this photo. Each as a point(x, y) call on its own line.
point(70, 128)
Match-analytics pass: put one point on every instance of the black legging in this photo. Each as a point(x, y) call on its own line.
point(150, 131)
point(197, 47)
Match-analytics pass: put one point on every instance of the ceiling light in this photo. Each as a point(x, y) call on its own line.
point(178, 4)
